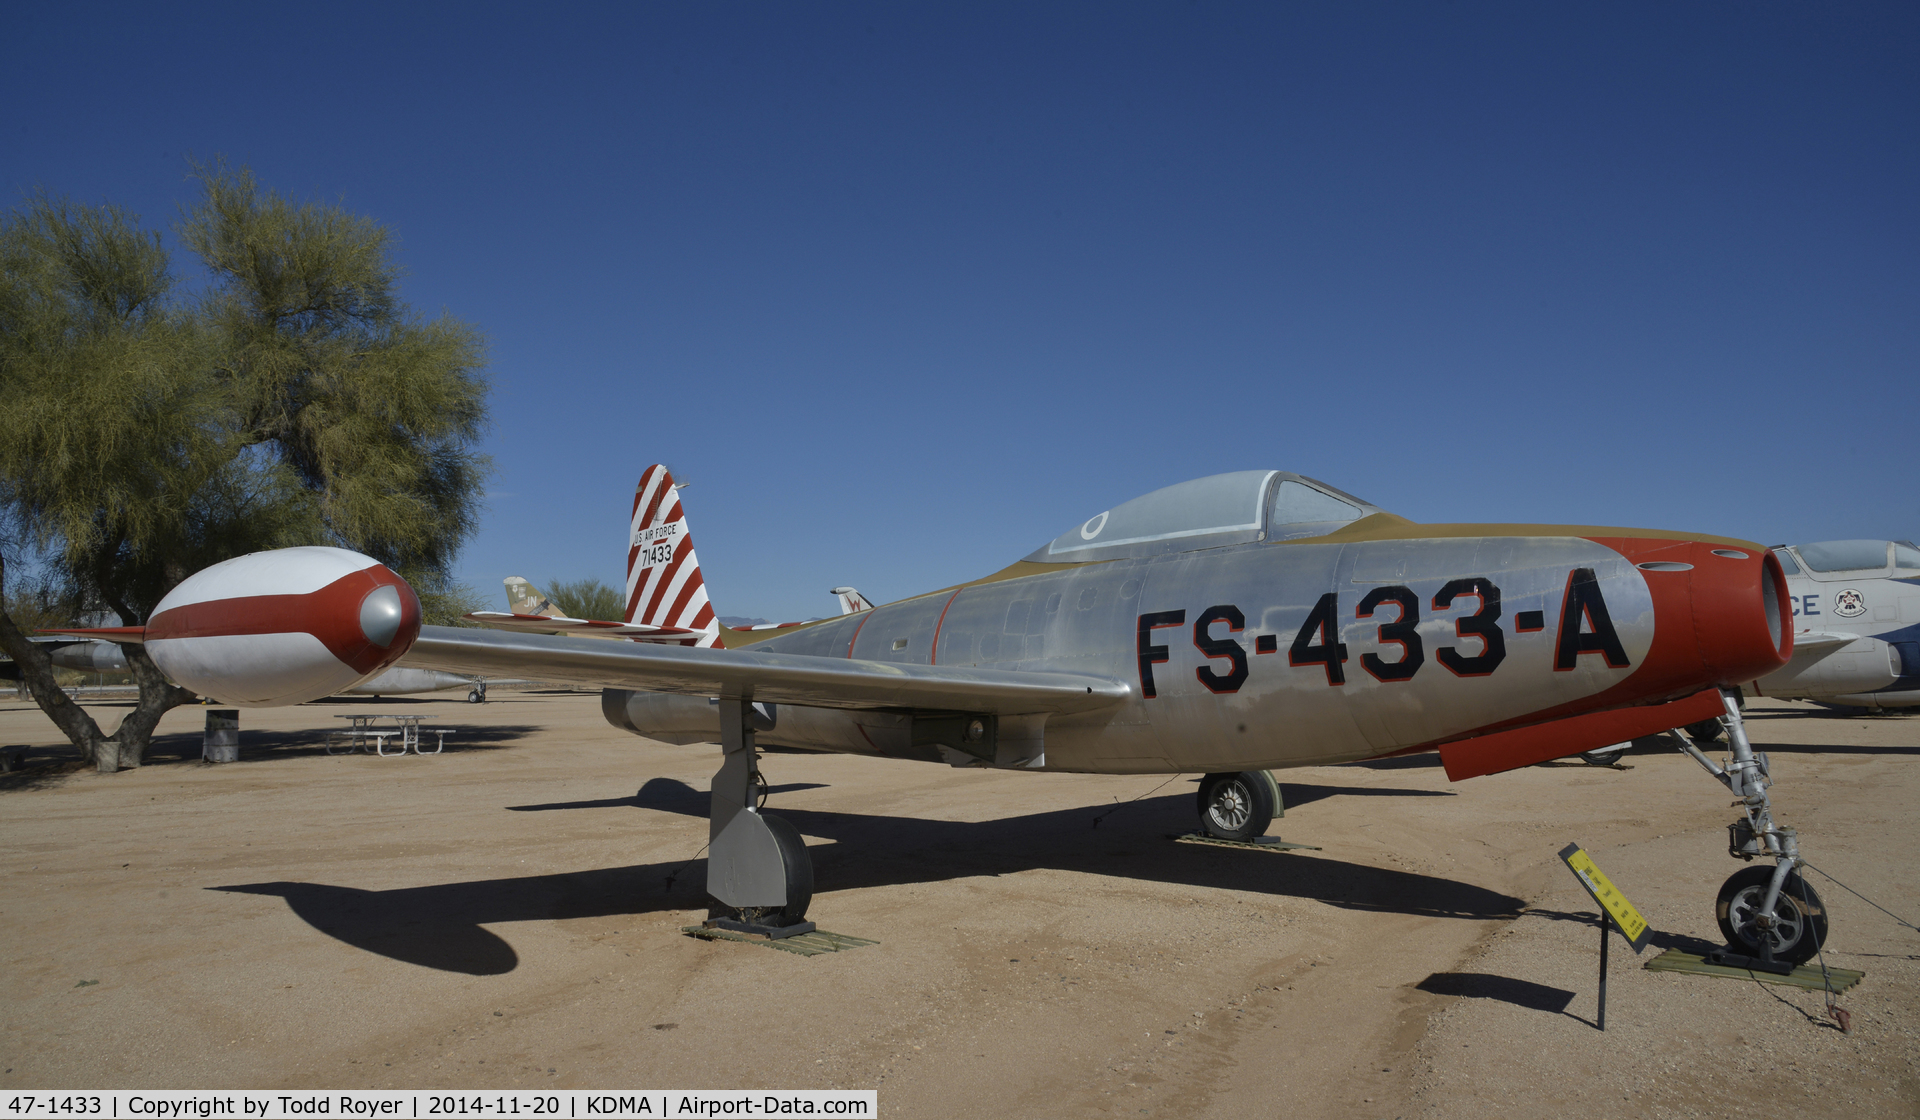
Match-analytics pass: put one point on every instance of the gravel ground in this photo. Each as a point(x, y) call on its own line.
point(508, 914)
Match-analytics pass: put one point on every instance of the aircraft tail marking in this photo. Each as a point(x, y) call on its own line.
point(524, 598)
point(851, 601)
point(664, 584)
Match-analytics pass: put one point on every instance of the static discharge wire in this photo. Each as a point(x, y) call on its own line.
point(675, 873)
point(1835, 1012)
point(1865, 899)
point(1124, 804)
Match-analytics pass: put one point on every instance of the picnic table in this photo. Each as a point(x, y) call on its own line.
point(365, 731)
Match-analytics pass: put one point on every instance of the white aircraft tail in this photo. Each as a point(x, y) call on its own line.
point(664, 584)
point(851, 601)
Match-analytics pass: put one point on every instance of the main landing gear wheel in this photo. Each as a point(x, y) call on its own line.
point(797, 869)
point(477, 694)
point(1237, 806)
point(1800, 918)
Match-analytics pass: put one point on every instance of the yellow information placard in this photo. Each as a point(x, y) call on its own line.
point(1612, 903)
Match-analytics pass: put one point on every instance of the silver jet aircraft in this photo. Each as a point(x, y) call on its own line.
point(1226, 626)
point(1856, 612)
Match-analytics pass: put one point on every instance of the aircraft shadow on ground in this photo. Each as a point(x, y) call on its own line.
point(440, 926)
point(1829, 748)
point(1399, 761)
point(258, 746)
point(1484, 985)
point(1294, 795)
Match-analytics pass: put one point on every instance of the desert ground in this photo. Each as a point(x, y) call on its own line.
point(509, 913)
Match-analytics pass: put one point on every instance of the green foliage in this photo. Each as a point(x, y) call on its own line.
point(587, 598)
point(43, 602)
point(444, 601)
point(297, 401)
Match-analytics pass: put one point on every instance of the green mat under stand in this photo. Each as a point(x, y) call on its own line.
point(806, 944)
point(1806, 976)
point(1264, 844)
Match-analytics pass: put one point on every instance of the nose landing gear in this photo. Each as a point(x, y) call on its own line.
point(1770, 916)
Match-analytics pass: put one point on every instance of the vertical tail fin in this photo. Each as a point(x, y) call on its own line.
point(851, 601)
point(525, 598)
point(664, 585)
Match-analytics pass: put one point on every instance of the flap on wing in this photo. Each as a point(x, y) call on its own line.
point(558, 624)
point(782, 678)
point(124, 635)
point(1510, 750)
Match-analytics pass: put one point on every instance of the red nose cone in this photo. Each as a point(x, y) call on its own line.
point(1720, 613)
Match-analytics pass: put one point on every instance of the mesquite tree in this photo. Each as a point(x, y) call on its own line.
point(294, 400)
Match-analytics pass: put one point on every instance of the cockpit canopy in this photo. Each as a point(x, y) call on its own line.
point(1222, 509)
point(1840, 560)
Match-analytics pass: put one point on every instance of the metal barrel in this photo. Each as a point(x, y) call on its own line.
point(222, 741)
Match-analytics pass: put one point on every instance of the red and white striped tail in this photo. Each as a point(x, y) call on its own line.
point(664, 585)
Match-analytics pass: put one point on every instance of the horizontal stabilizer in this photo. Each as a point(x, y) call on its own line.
point(780, 678)
point(560, 624)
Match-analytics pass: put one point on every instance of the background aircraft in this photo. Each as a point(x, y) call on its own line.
point(1856, 612)
point(1225, 626)
point(533, 612)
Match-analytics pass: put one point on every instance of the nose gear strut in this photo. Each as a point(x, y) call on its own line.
point(1773, 919)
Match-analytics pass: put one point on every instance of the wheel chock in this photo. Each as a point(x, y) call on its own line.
point(1259, 844)
point(1805, 976)
point(802, 944)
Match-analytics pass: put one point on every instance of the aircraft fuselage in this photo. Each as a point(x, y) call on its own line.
point(1266, 655)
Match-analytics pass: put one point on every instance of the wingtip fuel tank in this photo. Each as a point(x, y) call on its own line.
point(283, 627)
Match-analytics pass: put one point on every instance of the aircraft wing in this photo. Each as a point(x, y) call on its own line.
point(121, 635)
point(1810, 646)
point(781, 678)
point(559, 624)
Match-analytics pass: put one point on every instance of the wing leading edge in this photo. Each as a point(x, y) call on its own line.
point(822, 682)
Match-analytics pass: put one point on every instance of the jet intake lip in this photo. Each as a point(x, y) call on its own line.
point(1719, 619)
point(1739, 612)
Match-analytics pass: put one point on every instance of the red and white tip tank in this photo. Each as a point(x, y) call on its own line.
point(281, 627)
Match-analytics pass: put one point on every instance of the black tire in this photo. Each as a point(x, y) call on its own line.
point(798, 866)
point(1237, 806)
point(1706, 731)
point(1801, 916)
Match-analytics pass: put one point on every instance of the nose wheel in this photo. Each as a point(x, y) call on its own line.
point(1799, 922)
point(1238, 806)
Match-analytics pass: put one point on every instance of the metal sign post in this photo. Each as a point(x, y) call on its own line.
point(1615, 913)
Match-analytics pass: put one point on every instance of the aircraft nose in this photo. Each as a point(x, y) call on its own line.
point(1720, 609)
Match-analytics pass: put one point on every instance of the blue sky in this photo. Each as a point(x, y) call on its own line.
point(906, 290)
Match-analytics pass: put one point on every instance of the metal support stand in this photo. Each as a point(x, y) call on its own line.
point(746, 869)
point(1604, 939)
